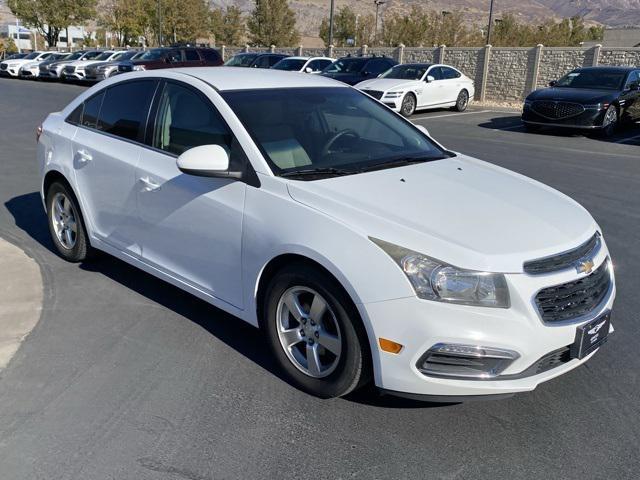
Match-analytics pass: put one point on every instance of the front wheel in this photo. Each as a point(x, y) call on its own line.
point(462, 102)
point(315, 332)
point(610, 121)
point(408, 106)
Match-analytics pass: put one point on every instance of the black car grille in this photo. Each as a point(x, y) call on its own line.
point(3, 66)
point(374, 93)
point(69, 69)
point(44, 68)
point(557, 110)
point(571, 300)
point(563, 260)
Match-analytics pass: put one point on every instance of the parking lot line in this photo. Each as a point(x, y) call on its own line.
point(453, 114)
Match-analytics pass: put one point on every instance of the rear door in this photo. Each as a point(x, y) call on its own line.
point(192, 58)
point(106, 150)
point(190, 227)
point(451, 79)
point(631, 96)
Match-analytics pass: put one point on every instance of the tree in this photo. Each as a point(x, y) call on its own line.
point(228, 26)
point(125, 18)
point(348, 26)
point(272, 22)
point(50, 17)
point(7, 46)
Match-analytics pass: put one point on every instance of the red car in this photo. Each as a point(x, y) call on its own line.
point(173, 57)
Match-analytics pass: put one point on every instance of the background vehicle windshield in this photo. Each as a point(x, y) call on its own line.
point(596, 79)
point(126, 55)
point(91, 55)
point(292, 64)
point(328, 127)
point(32, 55)
point(103, 56)
point(74, 56)
point(346, 65)
point(406, 72)
point(240, 60)
point(153, 54)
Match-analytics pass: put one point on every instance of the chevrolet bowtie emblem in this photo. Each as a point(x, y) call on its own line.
point(584, 266)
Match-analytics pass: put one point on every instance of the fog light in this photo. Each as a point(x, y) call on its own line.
point(389, 345)
point(465, 361)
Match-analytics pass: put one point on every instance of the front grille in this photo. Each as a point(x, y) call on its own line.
point(557, 110)
point(564, 260)
point(374, 93)
point(571, 300)
point(69, 69)
point(44, 68)
point(3, 66)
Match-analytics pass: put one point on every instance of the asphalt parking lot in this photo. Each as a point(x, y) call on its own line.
point(126, 377)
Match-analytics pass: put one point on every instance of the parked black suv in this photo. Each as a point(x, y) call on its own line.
point(354, 70)
point(173, 57)
point(254, 60)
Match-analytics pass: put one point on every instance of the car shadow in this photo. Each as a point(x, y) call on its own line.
point(29, 216)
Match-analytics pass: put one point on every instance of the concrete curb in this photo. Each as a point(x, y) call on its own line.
point(21, 295)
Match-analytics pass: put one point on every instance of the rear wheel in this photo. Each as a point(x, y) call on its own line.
point(462, 101)
point(66, 225)
point(315, 332)
point(408, 106)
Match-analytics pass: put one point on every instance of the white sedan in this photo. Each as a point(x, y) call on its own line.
point(408, 87)
point(364, 250)
point(304, 64)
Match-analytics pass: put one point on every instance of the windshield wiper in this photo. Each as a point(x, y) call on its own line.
point(398, 162)
point(324, 171)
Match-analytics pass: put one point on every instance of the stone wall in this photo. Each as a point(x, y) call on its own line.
point(511, 73)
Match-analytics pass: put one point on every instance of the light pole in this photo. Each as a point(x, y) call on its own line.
point(377, 3)
point(159, 23)
point(331, 24)
point(490, 23)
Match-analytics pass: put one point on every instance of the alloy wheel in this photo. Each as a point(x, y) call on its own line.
point(463, 100)
point(308, 331)
point(408, 105)
point(63, 220)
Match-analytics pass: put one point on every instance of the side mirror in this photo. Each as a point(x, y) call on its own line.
point(430, 78)
point(552, 83)
point(308, 70)
point(365, 73)
point(206, 161)
point(423, 130)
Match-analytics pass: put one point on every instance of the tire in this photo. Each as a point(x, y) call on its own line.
point(66, 225)
point(408, 105)
point(610, 122)
point(462, 102)
point(339, 327)
point(531, 128)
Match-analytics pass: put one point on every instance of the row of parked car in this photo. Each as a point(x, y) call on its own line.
point(404, 88)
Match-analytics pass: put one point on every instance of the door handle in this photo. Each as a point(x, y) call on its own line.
point(84, 156)
point(148, 185)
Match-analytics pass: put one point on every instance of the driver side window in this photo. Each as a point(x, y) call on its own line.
point(634, 80)
point(436, 73)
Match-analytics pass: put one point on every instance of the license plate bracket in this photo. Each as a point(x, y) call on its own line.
point(591, 336)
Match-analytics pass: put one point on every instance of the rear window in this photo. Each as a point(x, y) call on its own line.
point(191, 55)
point(210, 55)
point(91, 111)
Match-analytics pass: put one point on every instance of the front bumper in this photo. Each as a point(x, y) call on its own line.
point(75, 75)
point(590, 119)
point(419, 325)
point(29, 73)
point(10, 72)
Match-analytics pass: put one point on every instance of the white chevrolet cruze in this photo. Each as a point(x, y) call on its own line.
point(364, 249)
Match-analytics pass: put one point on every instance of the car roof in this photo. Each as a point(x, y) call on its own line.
point(607, 69)
point(231, 78)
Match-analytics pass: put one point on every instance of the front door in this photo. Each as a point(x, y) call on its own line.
point(190, 227)
point(433, 91)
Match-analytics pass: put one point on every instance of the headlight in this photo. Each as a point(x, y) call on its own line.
point(435, 280)
point(138, 68)
point(393, 94)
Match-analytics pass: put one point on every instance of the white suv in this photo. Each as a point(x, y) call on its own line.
point(12, 67)
point(363, 248)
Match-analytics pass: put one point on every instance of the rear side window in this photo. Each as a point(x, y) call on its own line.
point(125, 109)
point(377, 66)
point(191, 55)
point(318, 65)
point(185, 120)
point(75, 117)
point(262, 62)
point(274, 59)
point(91, 110)
point(210, 55)
point(449, 73)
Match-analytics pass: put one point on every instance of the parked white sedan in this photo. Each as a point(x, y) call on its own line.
point(364, 249)
point(408, 87)
point(303, 64)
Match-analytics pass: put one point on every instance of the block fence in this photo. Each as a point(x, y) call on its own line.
point(500, 73)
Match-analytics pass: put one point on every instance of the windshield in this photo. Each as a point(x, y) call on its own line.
point(302, 129)
point(346, 65)
point(406, 72)
point(243, 60)
point(593, 79)
point(74, 56)
point(153, 54)
point(90, 55)
point(104, 56)
point(126, 55)
point(291, 64)
point(32, 55)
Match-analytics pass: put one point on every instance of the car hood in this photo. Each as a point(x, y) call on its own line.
point(19, 61)
point(61, 62)
point(384, 84)
point(579, 95)
point(459, 210)
point(350, 78)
